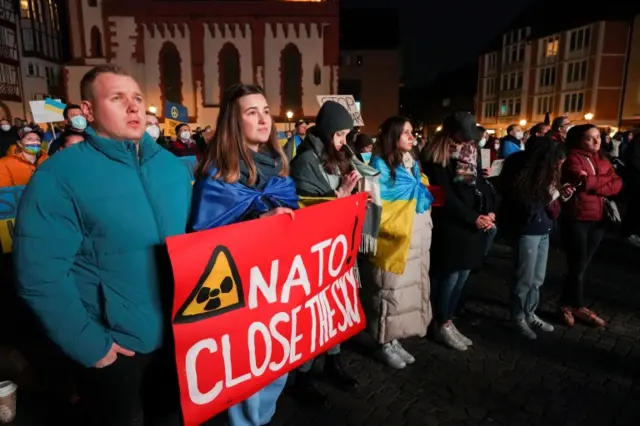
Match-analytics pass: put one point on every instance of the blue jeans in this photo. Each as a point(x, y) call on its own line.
point(259, 408)
point(306, 367)
point(531, 253)
point(449, 288)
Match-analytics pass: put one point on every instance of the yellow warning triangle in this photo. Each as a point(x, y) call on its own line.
point(219, 290)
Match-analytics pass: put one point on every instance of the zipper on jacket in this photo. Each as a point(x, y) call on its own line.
point(145, 188)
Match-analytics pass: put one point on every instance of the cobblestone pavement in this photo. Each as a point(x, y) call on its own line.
point(578, 376)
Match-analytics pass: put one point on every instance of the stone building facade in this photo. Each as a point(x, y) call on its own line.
point(189, 51)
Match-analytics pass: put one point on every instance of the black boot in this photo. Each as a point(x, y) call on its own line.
point(334, 371)
point(305, 392)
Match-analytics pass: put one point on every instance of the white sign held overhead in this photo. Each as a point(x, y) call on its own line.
point(346, 101)
point(42, 115)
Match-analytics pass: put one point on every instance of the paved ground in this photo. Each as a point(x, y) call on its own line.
point(580, 376)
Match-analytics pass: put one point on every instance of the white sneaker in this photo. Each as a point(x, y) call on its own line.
point(634, 240)
point(525, 330)
point(402, 353)
point(448, 336)
point(389, 356)
point(462, 337)
point(534, 322)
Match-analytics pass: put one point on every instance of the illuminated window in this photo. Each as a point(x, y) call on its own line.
point(551, 48)
point(24, 9)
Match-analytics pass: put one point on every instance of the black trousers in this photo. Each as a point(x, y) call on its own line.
point(581, 240)
point(133, 391)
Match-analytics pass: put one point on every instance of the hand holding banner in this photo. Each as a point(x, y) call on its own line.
point(256, 299)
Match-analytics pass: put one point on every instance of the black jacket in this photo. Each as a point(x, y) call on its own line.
point(517, 217)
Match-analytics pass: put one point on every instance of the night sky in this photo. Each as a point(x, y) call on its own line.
point(443, 35)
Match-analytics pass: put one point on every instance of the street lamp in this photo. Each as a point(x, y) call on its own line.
point(153, 109)
point(523, 122)
point(588, 116)
point(438, 128)
point(289, 117)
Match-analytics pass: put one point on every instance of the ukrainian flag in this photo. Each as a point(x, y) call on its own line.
point(402, 198)
point(282, 137)
point(54, 106)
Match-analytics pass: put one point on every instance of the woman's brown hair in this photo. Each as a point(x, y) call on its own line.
point(438, 151)
point(227, 146)
point(389, 134)
point(333, 159)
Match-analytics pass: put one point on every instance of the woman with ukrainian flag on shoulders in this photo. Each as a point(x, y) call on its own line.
point(395, 281)
point(243, 175)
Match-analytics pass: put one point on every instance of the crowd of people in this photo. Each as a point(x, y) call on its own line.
point(93, 216)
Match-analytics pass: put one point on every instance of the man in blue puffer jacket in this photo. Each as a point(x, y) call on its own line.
point(89, 234)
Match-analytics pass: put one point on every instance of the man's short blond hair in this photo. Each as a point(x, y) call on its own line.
point(86, 84)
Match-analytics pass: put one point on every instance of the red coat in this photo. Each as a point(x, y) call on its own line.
point(587, 203)
point(180, 149)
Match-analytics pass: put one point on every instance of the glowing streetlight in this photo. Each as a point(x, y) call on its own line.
point(438, 128)
point(588, 116)
point(289, 115)
point(523, 122)
point(153, 109)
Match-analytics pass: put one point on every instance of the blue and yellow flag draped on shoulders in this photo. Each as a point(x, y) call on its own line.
point(217, 203)
point(401, 198)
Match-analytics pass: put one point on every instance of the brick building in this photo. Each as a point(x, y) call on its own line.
point(574, 72)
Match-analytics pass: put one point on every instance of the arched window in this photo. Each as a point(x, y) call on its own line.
point(96, 43)
point(170, 73)
point(228, 67)
point(291, 79)
point(317, 75)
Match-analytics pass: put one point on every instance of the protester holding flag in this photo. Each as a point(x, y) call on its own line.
point(22, 159)
point(325, 169)
point(243, 175)
point(395, 286)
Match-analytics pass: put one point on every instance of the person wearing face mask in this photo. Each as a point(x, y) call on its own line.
point(153, 128)
point(184, 145)
point(364, 147)
point(8, 136)
point(20, 163)
point(75, 123)
point(512, 142)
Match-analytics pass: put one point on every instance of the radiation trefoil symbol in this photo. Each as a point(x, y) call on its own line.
point(219, 290)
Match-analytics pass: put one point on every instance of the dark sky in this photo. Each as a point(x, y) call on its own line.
point(442, 35)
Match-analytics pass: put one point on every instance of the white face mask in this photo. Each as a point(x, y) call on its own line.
point(519, 135)
point(154, 131)
point(5, 127)
point(482, 142)
point(185, 136)
point(568, 128)
point(497, 147)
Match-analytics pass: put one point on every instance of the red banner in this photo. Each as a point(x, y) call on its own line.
point(256, 299)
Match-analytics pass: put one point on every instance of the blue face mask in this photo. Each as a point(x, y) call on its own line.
point(79, 122)
point(366, 157)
